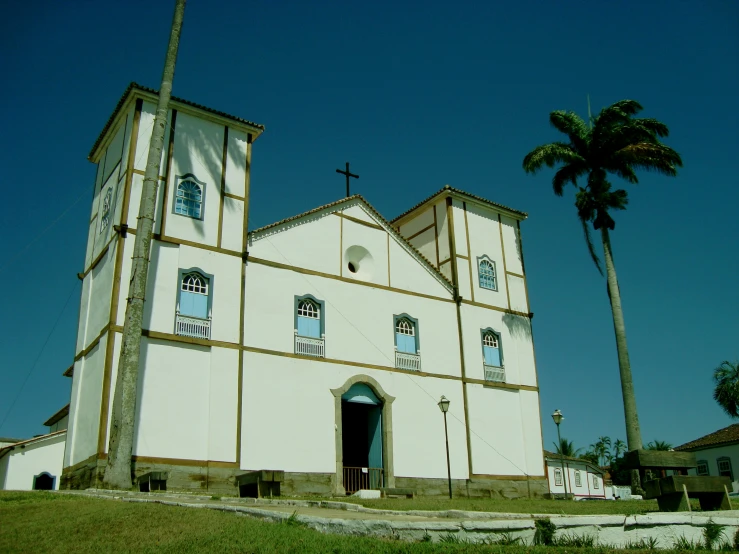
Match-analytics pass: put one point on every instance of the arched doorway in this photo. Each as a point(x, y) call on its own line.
point(43, 482)
point(363, 436)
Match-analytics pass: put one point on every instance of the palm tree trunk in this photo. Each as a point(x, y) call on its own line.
point(118, 469)
point(631, 417)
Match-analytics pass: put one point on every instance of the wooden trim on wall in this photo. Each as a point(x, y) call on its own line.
point(509, 477)
point(168, 171)
point(143, 173)
point(304, 271)
point(445, 261)
point(222, 191)
point(469, 251)
point(98, 258)
point(515, 274)
point(433, 225)
point(496, 308)
point(505, 271)
point(116, 288)
point(183, 242)
point(183, 462)
point(436, 236)
point(242, 295)
point(359, 221)
point(458, 302)
point(256, 350)
point(234, 196)
point(85, 351)
point(158, 335)
point(388, 259)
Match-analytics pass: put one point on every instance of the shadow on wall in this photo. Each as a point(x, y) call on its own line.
point(209, 163)
point(518, 326)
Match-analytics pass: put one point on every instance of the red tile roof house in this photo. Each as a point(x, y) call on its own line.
point(717, 454)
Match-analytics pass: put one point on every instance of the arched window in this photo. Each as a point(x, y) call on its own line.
point(43, 482)
point(557, 477)
point(309, 318)
point(105, 216)
point(486, 271)
point(194, 295)
point(405, 335)
point(189, 199)
point(491, 348)
point(578, 478)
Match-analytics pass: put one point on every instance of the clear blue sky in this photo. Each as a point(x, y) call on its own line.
point(414, 95)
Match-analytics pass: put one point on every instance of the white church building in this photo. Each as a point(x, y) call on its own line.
point(319, 345)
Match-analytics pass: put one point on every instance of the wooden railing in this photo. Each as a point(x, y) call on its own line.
point(188, 326)
point(403, 360)
point(356, 478)
point(307, 346)
point(494, 373)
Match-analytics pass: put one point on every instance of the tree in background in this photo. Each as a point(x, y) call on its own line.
point(566, 448)
point(619, 447)
point(617, 143)
point(726, 393)
point(659, 445)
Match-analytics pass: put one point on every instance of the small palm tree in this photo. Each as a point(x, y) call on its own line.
point(567, 448)
point(726, 393)
point(619, 447)
point(659, 445)
point(614, 143)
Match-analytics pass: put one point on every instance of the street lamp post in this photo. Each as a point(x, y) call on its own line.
point(444, 407)
point(558, 417)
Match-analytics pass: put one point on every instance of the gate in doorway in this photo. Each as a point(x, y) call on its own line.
point(363, 422)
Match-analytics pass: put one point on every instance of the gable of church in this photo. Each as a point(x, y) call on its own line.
point(348, 239)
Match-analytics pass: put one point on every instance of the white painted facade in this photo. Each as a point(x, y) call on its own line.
point(22, 462)
point(724, 454)
point(241, 397)
point(579, 478)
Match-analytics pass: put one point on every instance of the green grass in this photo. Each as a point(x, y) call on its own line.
point(519, 505)
point(44, 522)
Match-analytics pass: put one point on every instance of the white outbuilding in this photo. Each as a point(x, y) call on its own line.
point(574, 476)
point(318, 346)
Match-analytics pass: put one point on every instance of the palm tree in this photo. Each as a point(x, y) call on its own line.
point(566, 448)
point(659, 445)
point(726, 393)
point(615, 143)
point(619, 447)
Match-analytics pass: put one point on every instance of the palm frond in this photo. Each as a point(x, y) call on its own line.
point(550, 155)
point(654, 126)
point(573, 126)
point(726, 393)
point(650, 157)
point(566, 174)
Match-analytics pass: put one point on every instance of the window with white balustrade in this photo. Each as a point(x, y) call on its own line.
point(407, 351)
point(310, 338)
point(194, 313)
point(492, 357)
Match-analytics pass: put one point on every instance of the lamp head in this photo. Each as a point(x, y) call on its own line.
point(557, 417)
point(444, 404)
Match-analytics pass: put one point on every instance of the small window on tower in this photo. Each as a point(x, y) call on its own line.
point(107, 201)
point(486, 272)
point(189, 199)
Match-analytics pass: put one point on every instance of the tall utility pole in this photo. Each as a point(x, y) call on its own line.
point(118, 470)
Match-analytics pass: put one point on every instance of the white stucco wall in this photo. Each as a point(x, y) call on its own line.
point(588, 479)
point(711, 456)
point(19, 466)
point(289, 417)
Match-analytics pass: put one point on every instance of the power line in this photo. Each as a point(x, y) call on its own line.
point(38, 357)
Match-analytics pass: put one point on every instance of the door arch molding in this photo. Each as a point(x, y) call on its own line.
point(387, 430)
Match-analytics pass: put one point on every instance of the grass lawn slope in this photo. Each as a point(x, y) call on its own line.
point(45, 522)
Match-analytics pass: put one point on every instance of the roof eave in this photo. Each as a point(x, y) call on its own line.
point(135, 90)
point(464, 196)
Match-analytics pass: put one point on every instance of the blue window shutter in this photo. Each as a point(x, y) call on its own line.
point(309, 327)
point(187, 302)
point(406, 343)
point(200, 306)
point(492, 355)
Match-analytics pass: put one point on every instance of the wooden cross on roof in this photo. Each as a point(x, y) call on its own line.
point(348, 174)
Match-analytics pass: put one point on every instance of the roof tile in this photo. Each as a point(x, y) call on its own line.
point(726, 435)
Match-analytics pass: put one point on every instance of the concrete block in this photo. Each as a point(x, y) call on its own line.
point(366, 494)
